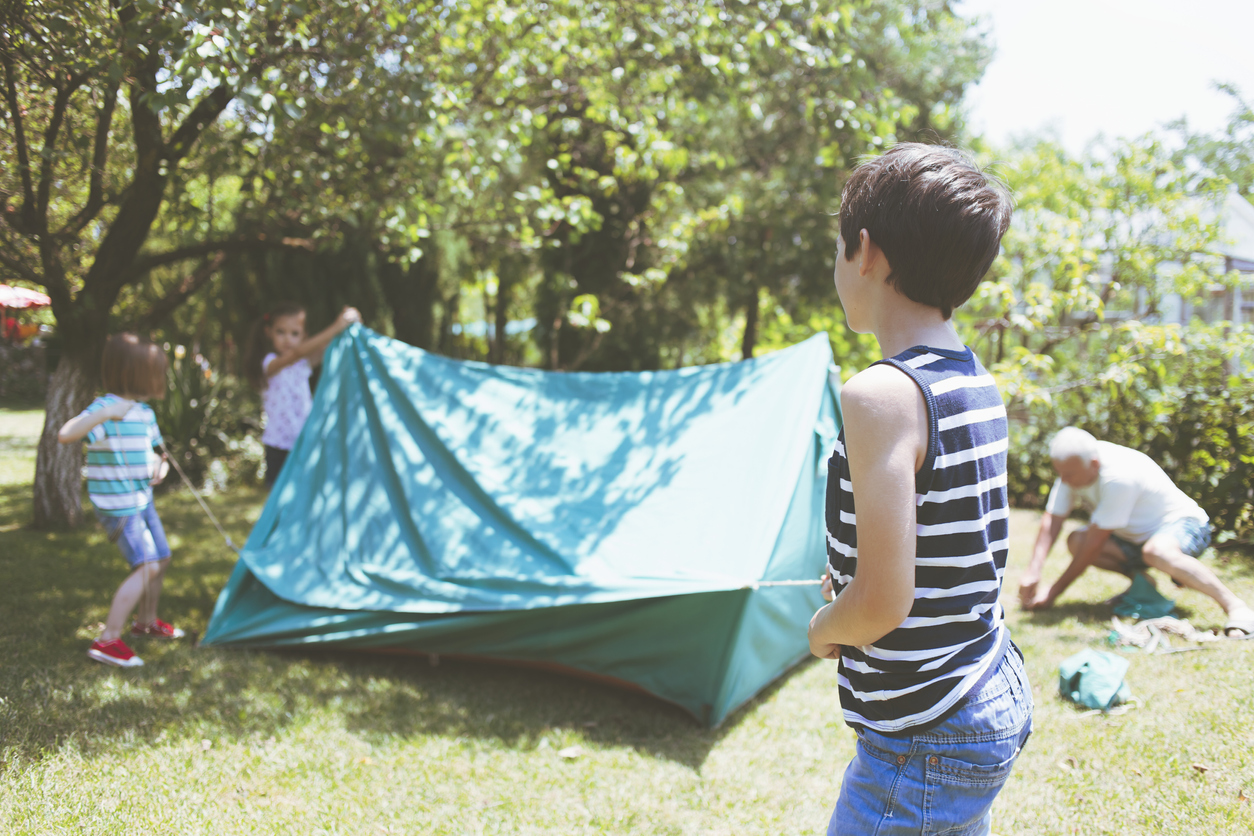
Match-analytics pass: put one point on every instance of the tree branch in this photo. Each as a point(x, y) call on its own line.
point(47, 162)
point(236, 244)
point(200, 117)
point(100, 153)
point(18, 266)
point(23, 154)
point(191, 283)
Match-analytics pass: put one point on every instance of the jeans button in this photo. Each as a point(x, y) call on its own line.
point(901, 759)
point(933, 760)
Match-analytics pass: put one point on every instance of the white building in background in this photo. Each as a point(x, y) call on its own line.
point(1236, 245)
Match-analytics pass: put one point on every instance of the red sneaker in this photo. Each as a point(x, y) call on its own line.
point(158, 628)
point(114, 652)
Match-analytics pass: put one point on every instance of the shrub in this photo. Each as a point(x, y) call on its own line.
point(210, 423)
point(1184, 398)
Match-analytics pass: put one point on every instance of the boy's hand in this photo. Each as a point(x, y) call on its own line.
point(818, 646)
point(829, 594)
point(117, 410)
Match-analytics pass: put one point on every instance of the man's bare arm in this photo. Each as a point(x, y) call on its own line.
point(1094, 541)
point(1046, 536)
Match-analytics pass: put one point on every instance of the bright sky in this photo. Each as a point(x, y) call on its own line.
point(1119, 67)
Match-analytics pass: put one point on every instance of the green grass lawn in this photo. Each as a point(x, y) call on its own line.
point(227, 741)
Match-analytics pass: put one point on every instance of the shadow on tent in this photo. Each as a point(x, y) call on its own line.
point(626, 526)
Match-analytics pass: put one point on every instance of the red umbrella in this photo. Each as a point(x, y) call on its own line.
point(20, 297)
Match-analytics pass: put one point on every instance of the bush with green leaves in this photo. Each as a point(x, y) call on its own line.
point(209, 423)
point(1184, 397)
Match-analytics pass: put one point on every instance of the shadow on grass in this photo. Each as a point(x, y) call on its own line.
point(57, 589)
point(1081, 611)
point(1091, 613)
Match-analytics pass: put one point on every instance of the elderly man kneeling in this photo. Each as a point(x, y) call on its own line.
point(1139, 519)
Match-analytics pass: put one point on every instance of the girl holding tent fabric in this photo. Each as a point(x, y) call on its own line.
point(280, 362)
point(121, 432)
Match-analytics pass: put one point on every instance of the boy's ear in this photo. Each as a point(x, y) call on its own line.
point(869, 253)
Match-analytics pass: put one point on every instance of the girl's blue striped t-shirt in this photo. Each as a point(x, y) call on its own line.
point(918, 674)
point(120, 459)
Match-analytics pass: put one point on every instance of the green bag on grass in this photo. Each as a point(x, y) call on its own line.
point(1094, 679)
point(1142, 600)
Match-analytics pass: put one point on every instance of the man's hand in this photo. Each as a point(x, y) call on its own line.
point(1027, 591)
point(1043, 601)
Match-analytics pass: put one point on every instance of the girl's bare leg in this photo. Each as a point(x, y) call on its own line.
point(124, 601)
point(147, 612)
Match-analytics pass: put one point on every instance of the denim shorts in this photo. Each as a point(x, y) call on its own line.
point(1192, 535)
point(140, 536)
point(942, 780)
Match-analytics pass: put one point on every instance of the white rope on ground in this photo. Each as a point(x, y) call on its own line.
point(227, 537)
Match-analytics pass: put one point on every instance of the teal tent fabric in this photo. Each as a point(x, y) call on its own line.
point(616, 524)
point(1094, 679)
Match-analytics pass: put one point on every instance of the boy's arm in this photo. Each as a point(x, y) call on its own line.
point(79, 426)
point(1094, 541)
point(1046, 536)
point(312, 348)
point(886, 438)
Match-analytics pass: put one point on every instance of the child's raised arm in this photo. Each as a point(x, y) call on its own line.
point(78, 427)
point(312, 348)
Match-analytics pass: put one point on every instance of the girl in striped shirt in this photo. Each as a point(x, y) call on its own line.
point(917, 510)
point(121, 432)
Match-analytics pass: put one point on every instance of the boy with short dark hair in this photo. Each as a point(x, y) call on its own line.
point(917, 511)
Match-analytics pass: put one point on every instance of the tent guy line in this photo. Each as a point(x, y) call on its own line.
point(188, 482)
point(231, 544)
point(761, 584)
point(444, 506)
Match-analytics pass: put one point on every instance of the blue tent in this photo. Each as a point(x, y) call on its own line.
point(632, 526)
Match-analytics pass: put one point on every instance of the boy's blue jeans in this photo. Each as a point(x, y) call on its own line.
point(942, 780)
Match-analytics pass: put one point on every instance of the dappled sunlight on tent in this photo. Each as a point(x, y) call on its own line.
point(578, 519)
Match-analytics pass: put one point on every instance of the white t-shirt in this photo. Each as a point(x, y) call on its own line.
point(1132, 496)
point(287, 402)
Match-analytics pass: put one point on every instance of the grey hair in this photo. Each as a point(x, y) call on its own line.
point(1073, 442)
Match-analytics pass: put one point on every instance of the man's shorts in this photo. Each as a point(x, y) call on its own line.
point(140, 536)
point(1192, 535)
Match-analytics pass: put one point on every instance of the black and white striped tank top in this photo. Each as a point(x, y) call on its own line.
point(918, 674)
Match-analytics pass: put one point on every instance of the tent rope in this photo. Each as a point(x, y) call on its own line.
point(227, 537)
point(231, 544)
point(760, 584)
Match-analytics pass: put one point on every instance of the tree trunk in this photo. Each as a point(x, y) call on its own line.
point(751, 326)
point(508, 273)
point(452, 308)
point(411, 295)
point(59, 467)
